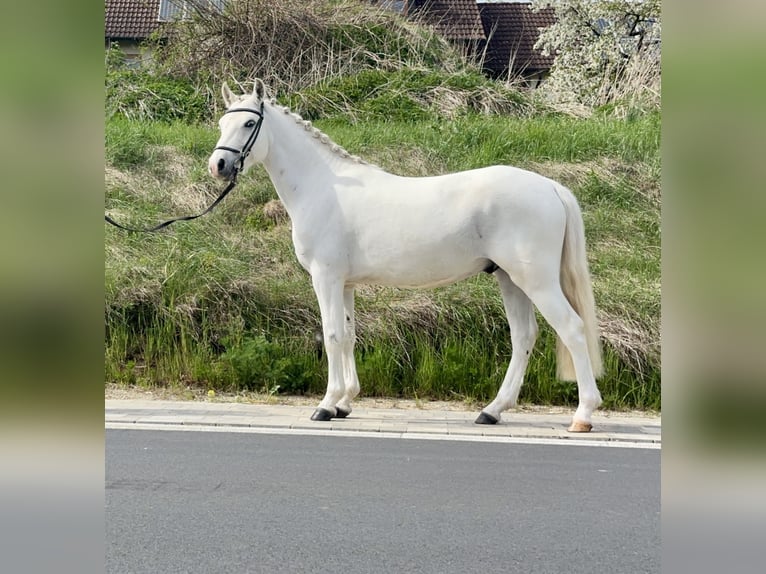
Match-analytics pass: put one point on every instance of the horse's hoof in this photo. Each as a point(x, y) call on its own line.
point(321, 415)
point(485, 419)
point(342, 413)
point(578, 426)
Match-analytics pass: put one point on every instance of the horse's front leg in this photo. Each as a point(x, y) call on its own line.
point(329, 292)
point(350, 377)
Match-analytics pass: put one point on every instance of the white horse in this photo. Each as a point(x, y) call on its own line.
point(353, 223)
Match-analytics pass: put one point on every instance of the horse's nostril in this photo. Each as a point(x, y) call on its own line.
point(221, 164)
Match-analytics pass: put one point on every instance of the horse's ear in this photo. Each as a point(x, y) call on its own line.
point(228, 95)
point(259, 89)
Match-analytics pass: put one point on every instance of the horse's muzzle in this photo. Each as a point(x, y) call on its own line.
point(221, 168)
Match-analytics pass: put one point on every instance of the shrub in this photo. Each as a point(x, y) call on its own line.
point(293, 44)
point(607, 52)
point(332, 58)
point(262, 365)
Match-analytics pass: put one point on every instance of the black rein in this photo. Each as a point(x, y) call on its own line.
point(243, 153)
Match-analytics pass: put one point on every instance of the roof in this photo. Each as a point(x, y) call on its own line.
point(133, 19)
point(512, 28)
point(453, 19)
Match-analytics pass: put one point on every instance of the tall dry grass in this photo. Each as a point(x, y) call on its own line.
point(637, 89)
point(293, 44)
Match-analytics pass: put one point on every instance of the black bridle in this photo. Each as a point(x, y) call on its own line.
point(243, 153)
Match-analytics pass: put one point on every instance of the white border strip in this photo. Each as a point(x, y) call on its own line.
point(382, 434)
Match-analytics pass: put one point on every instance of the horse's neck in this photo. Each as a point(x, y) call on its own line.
point(300, 166)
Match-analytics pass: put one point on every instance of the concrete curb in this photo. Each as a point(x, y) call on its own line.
point(393, 423)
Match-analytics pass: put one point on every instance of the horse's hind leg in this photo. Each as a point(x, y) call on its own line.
point(553, 305)
point(350, 377)
point(521, 318)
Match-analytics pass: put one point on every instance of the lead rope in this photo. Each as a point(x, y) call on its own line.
point(164, 224)
point(243, 153)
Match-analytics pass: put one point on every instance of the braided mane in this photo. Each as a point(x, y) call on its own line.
point(318, 134)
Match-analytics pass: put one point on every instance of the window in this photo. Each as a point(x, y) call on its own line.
point(394, 5)
point(180, 9)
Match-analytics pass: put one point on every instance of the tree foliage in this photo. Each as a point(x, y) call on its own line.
point(606, 51)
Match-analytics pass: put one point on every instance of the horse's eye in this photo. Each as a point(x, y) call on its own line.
point(250, 124)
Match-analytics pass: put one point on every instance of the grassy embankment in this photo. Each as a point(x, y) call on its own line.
point(222, 303)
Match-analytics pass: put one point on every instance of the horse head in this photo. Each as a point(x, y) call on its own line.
point(242, 142)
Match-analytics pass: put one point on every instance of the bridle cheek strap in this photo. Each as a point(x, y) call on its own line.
point(245, 151)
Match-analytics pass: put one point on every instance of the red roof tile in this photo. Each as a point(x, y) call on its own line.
point(134, 19)
point(512, 29)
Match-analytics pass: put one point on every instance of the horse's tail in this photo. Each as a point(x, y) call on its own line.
point(576, 284)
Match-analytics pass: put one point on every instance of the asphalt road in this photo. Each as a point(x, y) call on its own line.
point(240, 503)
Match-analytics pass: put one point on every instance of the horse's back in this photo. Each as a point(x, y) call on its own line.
point(499, 200)
point(493, 187)
point(487, 187)
point(436, 230)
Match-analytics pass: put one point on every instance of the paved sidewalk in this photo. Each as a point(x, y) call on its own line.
point(609, 430)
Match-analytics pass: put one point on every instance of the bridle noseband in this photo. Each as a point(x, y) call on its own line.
point(245, 151)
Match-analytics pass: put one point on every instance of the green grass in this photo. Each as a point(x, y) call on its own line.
point(498, 139)
point(222, 303)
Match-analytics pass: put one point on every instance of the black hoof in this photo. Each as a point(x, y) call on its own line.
point(321, 415)
point(341, 413)
point(485, 419)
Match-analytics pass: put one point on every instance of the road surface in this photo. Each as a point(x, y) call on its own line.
point(213, 502)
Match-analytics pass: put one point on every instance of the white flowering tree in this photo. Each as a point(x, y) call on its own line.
point(606, 51)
